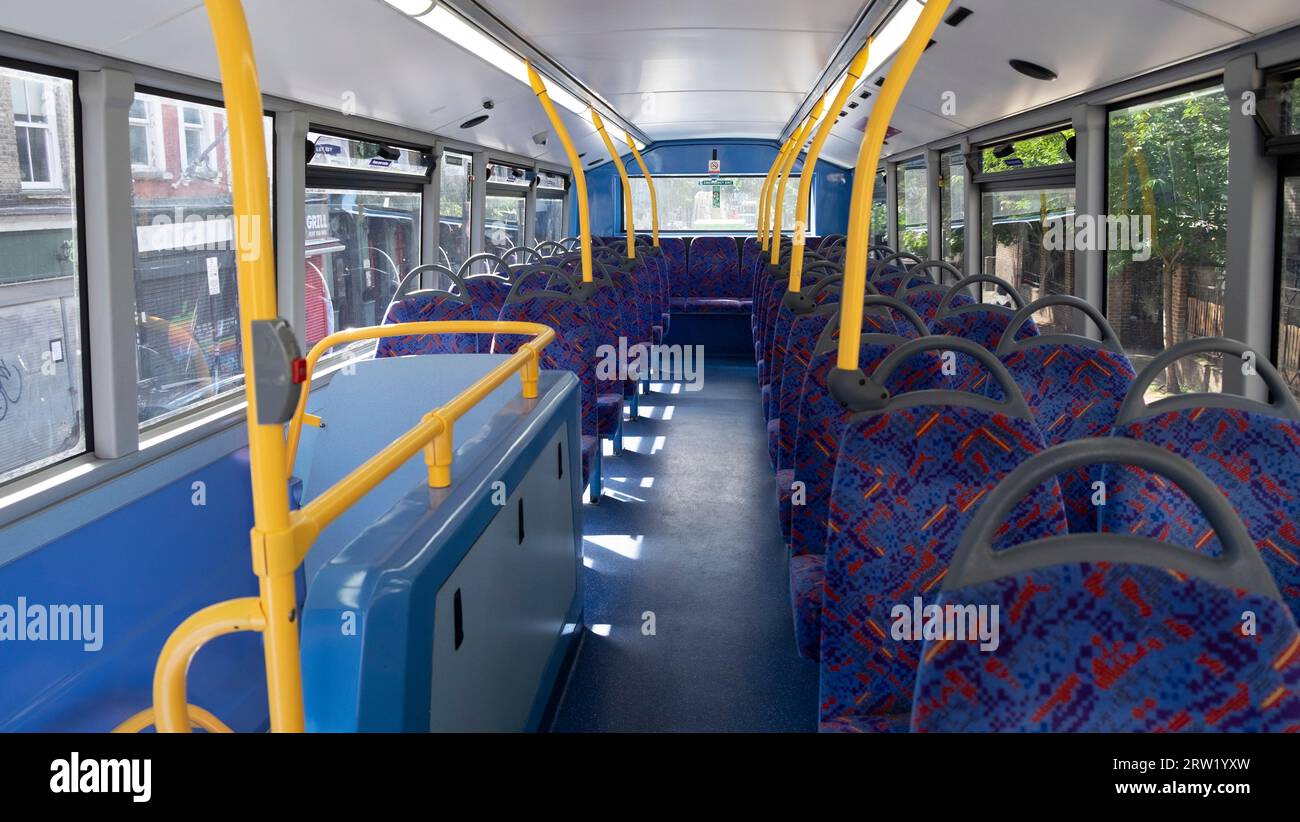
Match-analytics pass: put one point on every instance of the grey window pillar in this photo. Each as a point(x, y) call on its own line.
point(972, 262)
point(891, 203)
point(1252, 217)
point(1090, 198)
point(933, 204)
point(109, 231)
point(530, 213)
point(291, 218)
point(430, 226)
point(478, 202)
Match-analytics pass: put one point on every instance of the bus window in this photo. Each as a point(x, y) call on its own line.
point(454, 209)
point(42, 397)
point(1167, 165)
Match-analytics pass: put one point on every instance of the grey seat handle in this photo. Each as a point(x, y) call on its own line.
point(827, 340)
point(517, 294)
point(1238, 566)
point(945, 305)
point(1135, 405)
point(416, 276)
point(485, 256)
point(1109, 340)
point(878, 252)
point(905, 284)
point(1012, 403)
point(901, 256)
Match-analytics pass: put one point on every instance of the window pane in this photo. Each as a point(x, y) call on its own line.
point(952, 205)
point(693, 203)
point(550, 219)
point(508, 174)
point(913, 200)
point(503, 223)
point(42, 402)
point(359, 155)
point(1167, 166)
point(188, 347)
point(880, 211)
point(139, 145)
point(1015, 225)
point(359, 246)
point(454, 209)
point(555, 182)
point(1031, 152)
point(1288, 344)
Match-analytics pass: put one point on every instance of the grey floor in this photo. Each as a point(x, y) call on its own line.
point(687, 531)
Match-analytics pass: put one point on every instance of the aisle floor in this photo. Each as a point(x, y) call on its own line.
point(685, 542)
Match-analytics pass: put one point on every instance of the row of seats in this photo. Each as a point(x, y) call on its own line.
point(880, 490)
point(626, 305)
point(708, 274)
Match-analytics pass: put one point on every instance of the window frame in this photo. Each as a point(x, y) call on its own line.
point(50, 131)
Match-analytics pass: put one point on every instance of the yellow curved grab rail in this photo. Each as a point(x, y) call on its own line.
point(765, 196)
point(778, 208)
point(855, 257)
point(579, 178)
point(199, 718)
point(857, 68)
point(622, 176)
point(650, 184)
point(280, 538)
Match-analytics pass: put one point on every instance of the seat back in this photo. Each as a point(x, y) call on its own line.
point(1110, 633)
point(1074, 385)
point(1250, 450)
point(431, 305)
point(983, 323)
point(531, 300)
point(906, 483)
point(820, 418)
point(714, 270)
point(675, 251)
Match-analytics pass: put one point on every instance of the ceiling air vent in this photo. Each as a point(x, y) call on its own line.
point(1033, 70)
point(474, 121)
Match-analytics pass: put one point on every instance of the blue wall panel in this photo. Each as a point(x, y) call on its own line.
point(150, 564)
point(832, 185)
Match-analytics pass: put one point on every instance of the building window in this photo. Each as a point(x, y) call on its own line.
point(952, 206)
point(1167, 176)
point(913, 208)
point(146, 134)
point(197, 142)
point(42, 384)
point(187, 245)
point(454, 207)
point(700, 204)
point(36, 131)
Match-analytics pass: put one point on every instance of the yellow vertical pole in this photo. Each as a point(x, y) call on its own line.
point(778, 198)
point(650, 184)
point(622, 176)
point(856, 68)
point(257, 301)
point(765, 197)
point(579, 179)
point(855, 259)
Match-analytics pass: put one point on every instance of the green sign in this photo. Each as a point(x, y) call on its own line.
point(717, 181)
point(717, 197)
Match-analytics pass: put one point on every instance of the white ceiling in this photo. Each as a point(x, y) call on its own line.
point(676, 68)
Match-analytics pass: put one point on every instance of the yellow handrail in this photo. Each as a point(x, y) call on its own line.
point(199, 718)
point(778, 210)
point(280, 538)
point(650, 184)
point(765, 196)
point(855, 255)
point(856, 69)
point(579, 178)
point(622, 176)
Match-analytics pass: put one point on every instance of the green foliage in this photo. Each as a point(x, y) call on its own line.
point(1036, 152)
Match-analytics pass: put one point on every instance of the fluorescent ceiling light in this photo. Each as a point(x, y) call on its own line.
point(890, 38)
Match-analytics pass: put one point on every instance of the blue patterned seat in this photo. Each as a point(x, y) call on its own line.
point(429, 306)
point(907, 482)
point(1249, 450)
point(1112, 633)
point(1074, 385)
point(712, 283)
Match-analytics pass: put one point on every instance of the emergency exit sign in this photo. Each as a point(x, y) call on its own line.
point(717, 181)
